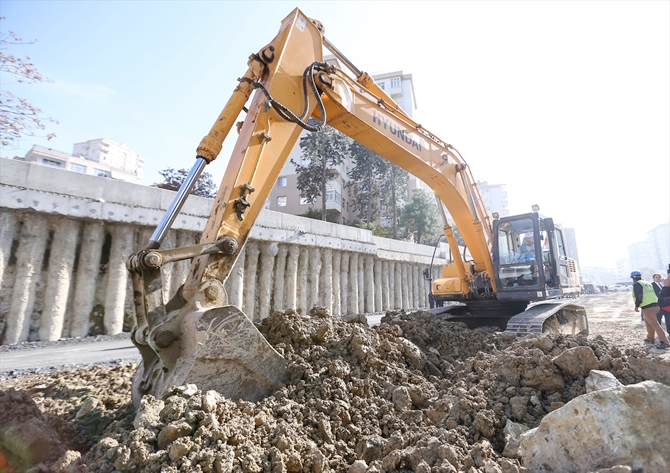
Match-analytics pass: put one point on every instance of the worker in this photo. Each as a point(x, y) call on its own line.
point(527, 249)
point(645, 299)
point(657, 284)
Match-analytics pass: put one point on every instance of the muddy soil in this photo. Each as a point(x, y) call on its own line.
point(360, 399)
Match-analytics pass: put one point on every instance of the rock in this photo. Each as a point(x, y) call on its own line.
point(577, 361)
point(67, 463)
point(172, 432)
point(402, 401)
point(370, 449)
point(651, 369)
point(598, 380)
point(518, 404)
point(88, 406)
point(210, 400)
point(359, 466)
point(148, 415)
point(178, 449)
point(627, 425)
point(512, 432)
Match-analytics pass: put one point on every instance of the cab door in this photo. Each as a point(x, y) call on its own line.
point(563, 268)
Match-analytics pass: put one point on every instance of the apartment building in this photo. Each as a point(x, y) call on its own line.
point(102, 158)
point(494, 197)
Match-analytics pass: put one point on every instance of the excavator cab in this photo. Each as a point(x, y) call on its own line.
point(530, 259)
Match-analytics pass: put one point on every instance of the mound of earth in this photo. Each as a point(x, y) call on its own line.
point(412, 394)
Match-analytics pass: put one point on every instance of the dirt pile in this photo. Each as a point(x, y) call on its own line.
point(413, 394)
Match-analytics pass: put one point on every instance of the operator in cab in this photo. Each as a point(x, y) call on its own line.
point(527, 249)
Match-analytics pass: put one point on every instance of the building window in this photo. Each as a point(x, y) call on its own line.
point(333, 196)
point(381, 85)
point(395, 83)
point(282, 181)
point(306, 201)
point(52, 162)
point(385, 221)
point(78, 168)
point(101, 173)
point(281, 201)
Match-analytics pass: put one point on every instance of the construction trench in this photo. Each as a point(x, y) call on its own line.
point(412, 394)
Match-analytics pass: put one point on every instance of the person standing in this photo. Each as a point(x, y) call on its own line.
point(657, 284)
point(645, 299)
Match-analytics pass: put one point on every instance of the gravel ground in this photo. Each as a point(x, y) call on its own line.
point(359, 400)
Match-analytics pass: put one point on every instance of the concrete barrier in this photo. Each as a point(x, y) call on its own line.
point(65, 238)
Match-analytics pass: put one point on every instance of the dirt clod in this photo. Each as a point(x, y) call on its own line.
point(412, 394)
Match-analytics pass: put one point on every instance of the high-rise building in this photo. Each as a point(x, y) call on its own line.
point(494, 197)
point(285, 196)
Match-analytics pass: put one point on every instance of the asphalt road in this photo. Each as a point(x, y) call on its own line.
point(58, 356)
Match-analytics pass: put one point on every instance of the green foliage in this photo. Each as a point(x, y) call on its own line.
point(204, 186)
point(321, 152)
point(18, 117)
point(421, 219)
point(394, 195)
point(376, 228)
point(332, 215)
point(378, 189)
point(365, 186)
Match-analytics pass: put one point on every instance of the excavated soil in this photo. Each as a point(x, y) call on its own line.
point(412, 394)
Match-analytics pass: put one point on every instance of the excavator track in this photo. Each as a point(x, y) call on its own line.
point(539, 319)
point(550, 317)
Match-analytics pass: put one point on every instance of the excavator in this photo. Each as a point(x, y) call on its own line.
point(511, 275)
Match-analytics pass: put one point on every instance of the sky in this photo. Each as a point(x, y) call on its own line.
point(566, 103)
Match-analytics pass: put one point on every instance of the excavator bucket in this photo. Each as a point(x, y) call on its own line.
point(219, 349)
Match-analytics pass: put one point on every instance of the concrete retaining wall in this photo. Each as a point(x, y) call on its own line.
point(65, 238)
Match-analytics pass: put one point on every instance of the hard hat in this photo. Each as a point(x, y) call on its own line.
point(636, 274)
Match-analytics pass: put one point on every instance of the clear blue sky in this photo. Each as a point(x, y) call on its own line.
point(565, 102)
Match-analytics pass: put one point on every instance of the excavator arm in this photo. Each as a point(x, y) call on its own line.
point(290, 77)
point(196, 337)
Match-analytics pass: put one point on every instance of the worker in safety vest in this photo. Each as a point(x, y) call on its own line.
point(645, 299)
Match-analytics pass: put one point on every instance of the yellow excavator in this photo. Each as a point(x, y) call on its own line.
point(510, 276)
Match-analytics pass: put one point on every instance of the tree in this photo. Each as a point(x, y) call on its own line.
point(393, 195)
point(321, 152)
point(18, 117)
point(420, 217)
point(332, 215)
point(366, 182)
point(204, 186)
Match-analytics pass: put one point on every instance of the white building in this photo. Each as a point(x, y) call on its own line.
point(494, 197)
point(125, 164)
point(103, 159)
